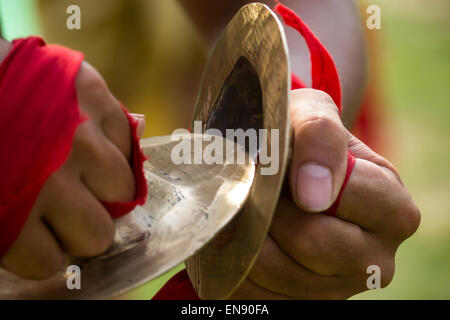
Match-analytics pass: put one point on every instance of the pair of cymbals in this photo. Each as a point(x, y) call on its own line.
point(213, 216)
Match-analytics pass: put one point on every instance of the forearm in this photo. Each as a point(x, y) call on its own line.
point(337, 24)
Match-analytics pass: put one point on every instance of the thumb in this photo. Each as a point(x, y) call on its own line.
point(319, 158)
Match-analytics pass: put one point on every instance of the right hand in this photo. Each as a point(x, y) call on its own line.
point(68, 216)
point(311, 255)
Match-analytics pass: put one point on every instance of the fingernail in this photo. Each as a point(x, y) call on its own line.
point(140, 123)
point(138, 115)
point(140, 127)
point(314, 187)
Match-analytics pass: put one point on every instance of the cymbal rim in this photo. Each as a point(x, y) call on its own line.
point(256, 33)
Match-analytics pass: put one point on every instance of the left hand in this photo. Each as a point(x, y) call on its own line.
point(310, 255)
point(68, 216)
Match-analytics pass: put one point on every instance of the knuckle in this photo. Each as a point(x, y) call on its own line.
point(407, 217)
point(112, 112)
point(89, 82)
point(105, 168)
point(313, 100)
point(85, 140)
point(403, 214)
point(413, 216)
point(89, 78)
point(313, 94)
point(387, 272)
point(116, 117)
point(322, 97)
point(311, 241)
point(93, 93)
point(320, 126)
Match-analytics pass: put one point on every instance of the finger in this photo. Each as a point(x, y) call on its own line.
point(319, 159)
point(116, 128)
point(35, 254)
point(361, 151)
point(277, 272)
point(102, 108)
point(141, 124)
point(81, 223)
point(321, 243)
point(104, 169)
point(375, 200)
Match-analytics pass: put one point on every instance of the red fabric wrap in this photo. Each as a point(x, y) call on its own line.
point(324, 77)
point(179, 287)
point(118, 209)
point(38, 119)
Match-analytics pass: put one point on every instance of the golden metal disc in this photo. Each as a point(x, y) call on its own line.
point(187, 205)
point(246, 85)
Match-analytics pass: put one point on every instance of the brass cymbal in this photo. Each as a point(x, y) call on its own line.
point(246, 85)
point(187, 205)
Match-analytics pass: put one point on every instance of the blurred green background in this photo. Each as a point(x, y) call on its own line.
point(414, 61)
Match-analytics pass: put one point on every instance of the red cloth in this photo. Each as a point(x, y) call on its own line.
point(39, 115)
point(324, 77)
point(179, 287)
point(323, 70)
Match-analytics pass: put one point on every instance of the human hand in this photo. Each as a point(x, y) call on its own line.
point(310, 255)
point(68, 216)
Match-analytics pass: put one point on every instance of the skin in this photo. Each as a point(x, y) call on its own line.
point(307, 255)
point(68, 217)
point(310, 255)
